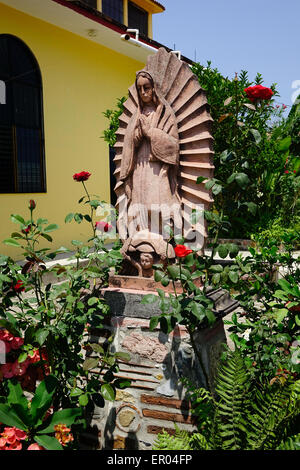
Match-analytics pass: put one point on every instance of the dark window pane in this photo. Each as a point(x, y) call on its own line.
point(137, 18)
point(21, 126)
point(6, 159)
point(26, 105)
point(4, 64)
point(29, 160)
point(114, 9)
point(6, 109)
point(23, 67)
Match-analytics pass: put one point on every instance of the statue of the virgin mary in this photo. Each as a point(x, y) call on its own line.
point(148, 173)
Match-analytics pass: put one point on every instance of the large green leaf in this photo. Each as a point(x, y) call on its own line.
point(17, 219)
point(43, 397)
point(11, 242)
point(51, 228)
point(67, 416)
point(173, 271)
point(107, 392)
point(15, 395)
point(242, 180)
point(48, 442)
point(9, 417)
point(41, 335)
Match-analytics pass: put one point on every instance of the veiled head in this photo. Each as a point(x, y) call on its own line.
point(145, 88)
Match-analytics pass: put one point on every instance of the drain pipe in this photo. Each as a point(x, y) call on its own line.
point(136, 42)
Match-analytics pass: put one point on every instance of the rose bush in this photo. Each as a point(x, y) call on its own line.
point(45, 324)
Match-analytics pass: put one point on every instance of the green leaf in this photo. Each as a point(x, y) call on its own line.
point(107, 392)
point(22, 357)
point(83, 399)
point(43, 397)
point(285, 144)
point(47, 237)
point(15, 395)
point(210, 183)
point(121, 383)
point(165, 281)
point(233, 276)
point(90, 363)
point(217, 188)
point(233, 250)
point(5, 278)
point(231, 178)
point(48, 442)
point(281, 313)
point(285, 285)
point(165, 324)
point(210, 317)
point(242, 180)
point(280, 294)
point(67, 416)
point(69, 217)
point(200, 179)
point(158, 275)
point(174, 271)
point(17, 219)
point(153, 323)
point(76, 242)
point(11, 242)
point(216, 278)
point(255, 135)
point(123, 355)
point(41, 335)
point(252, 207)
point(97, 348)
point(149, 299)
point(93, 301)
point(10, 418)
point(223, 251)
point(198, 311)
point(51, 228)
point(216, 268)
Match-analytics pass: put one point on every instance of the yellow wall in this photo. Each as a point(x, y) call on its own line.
point(80, 81)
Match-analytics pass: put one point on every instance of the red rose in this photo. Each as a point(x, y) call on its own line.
point(83, 176)
point(258, 92)
point(32, 204)
point(18, 287)
point(103, 226)
point(181, 251)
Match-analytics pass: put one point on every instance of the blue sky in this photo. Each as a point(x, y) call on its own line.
point(256, 35)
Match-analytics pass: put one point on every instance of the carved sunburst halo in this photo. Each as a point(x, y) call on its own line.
point(181, 89)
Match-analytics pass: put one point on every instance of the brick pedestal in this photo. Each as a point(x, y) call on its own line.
point(156, 398)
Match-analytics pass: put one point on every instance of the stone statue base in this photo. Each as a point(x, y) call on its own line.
point(141, 283)
point(156, 397)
